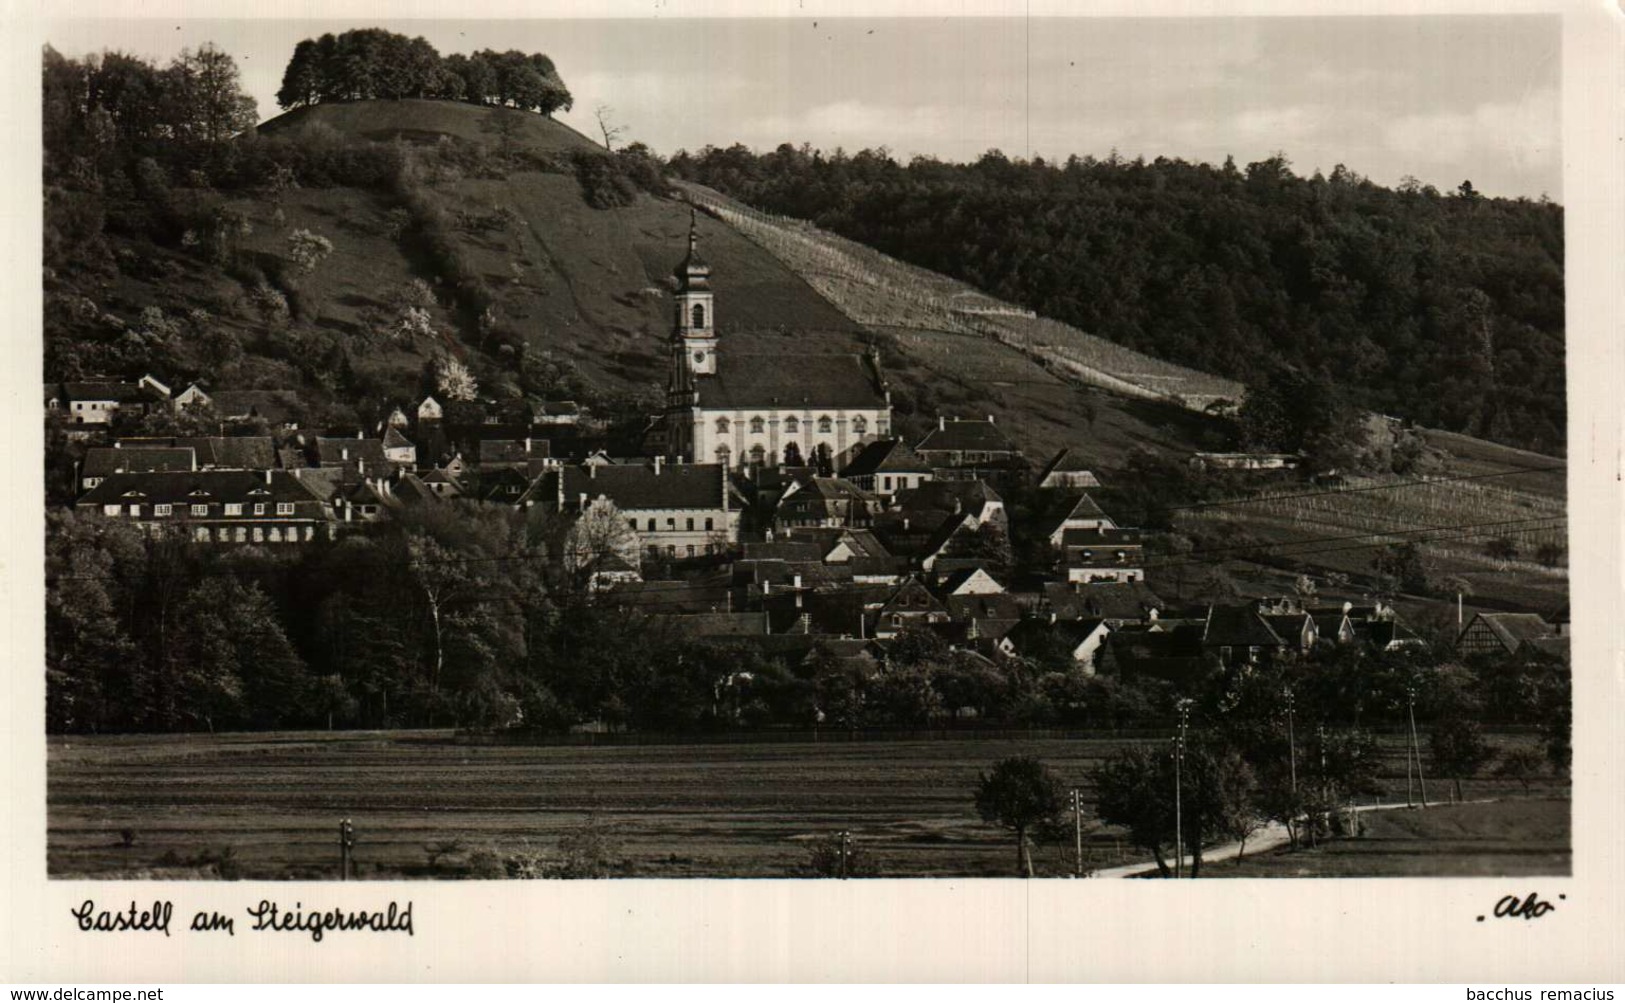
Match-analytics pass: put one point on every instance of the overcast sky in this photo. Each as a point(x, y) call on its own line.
point(1441, 98)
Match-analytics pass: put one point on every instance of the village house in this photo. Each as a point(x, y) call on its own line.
point(94, 403)
point(1103, 555)
point(961, 446)
point(1081, 640)
point(911, 605)
point(1501, 633)
point(736, 409)
point(677, 510)
point(885, 467)
point(974, 498)
point(218, 506)
point(827, 502)
point(1116, 602)
point(1079, 514)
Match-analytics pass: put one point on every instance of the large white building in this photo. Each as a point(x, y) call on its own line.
point(738, 409)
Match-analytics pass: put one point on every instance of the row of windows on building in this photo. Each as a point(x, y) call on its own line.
point(253, 534)
point(792, 425)
point(671, 525)
point(201, 511)
point(689, 550)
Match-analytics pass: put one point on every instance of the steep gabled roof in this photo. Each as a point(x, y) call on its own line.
point(1238, 626)
point(890, 456)
point(1033, 632)
point(1512, 629)
point(1068, 461)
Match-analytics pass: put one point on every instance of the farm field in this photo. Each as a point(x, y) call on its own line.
point(1506, 838)
point(270, 803)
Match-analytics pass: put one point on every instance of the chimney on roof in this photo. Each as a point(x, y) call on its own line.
point(267, 477)
point(796, 581)
point(657, 466)
point(592, 471)
point(360, 433)
point(990, 419)
point(581, 501)
point(527, 445)
point(344, 452)
point(942, 423)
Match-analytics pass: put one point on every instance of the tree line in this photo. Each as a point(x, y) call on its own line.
point(477, 616)
point(1442, 307)
point(370, 63)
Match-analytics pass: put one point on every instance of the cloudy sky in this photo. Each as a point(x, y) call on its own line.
point(1440, 98)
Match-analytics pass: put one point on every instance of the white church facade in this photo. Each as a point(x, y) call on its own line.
point(740, 409)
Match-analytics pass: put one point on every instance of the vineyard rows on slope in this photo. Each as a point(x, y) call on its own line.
point(875, 289)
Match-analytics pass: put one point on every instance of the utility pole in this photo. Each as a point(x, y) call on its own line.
point(1410, 700)
point(1291, 742)
point(346, 844)
point(1077, 827)
point(1184, 707)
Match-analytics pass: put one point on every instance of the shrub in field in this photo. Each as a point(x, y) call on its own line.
point(824, 859)
point(589, 850)
point(1521, 764)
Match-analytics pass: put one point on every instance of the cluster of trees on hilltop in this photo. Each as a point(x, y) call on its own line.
point(370, 63)
point(1442, 307)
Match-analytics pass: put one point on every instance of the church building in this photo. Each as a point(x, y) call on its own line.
point(739, 409)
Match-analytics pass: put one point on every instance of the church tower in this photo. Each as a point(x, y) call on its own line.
point(695, 337)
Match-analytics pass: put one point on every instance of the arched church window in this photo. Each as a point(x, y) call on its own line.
point(825, 424)
point(722, 426)
point(699, 315)
point(791, 425)
point(860, 425)
point(757, 455)
point(756, 425)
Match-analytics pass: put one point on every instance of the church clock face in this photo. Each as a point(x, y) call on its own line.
point(699, 356)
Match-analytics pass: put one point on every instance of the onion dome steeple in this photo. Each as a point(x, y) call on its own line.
point(693, 273)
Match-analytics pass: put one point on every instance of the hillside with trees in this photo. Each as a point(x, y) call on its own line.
point(1442, 308)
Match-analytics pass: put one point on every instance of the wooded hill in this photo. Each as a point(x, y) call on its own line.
point(1446, 309)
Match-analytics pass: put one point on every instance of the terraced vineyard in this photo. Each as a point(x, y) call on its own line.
point(880, 291)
